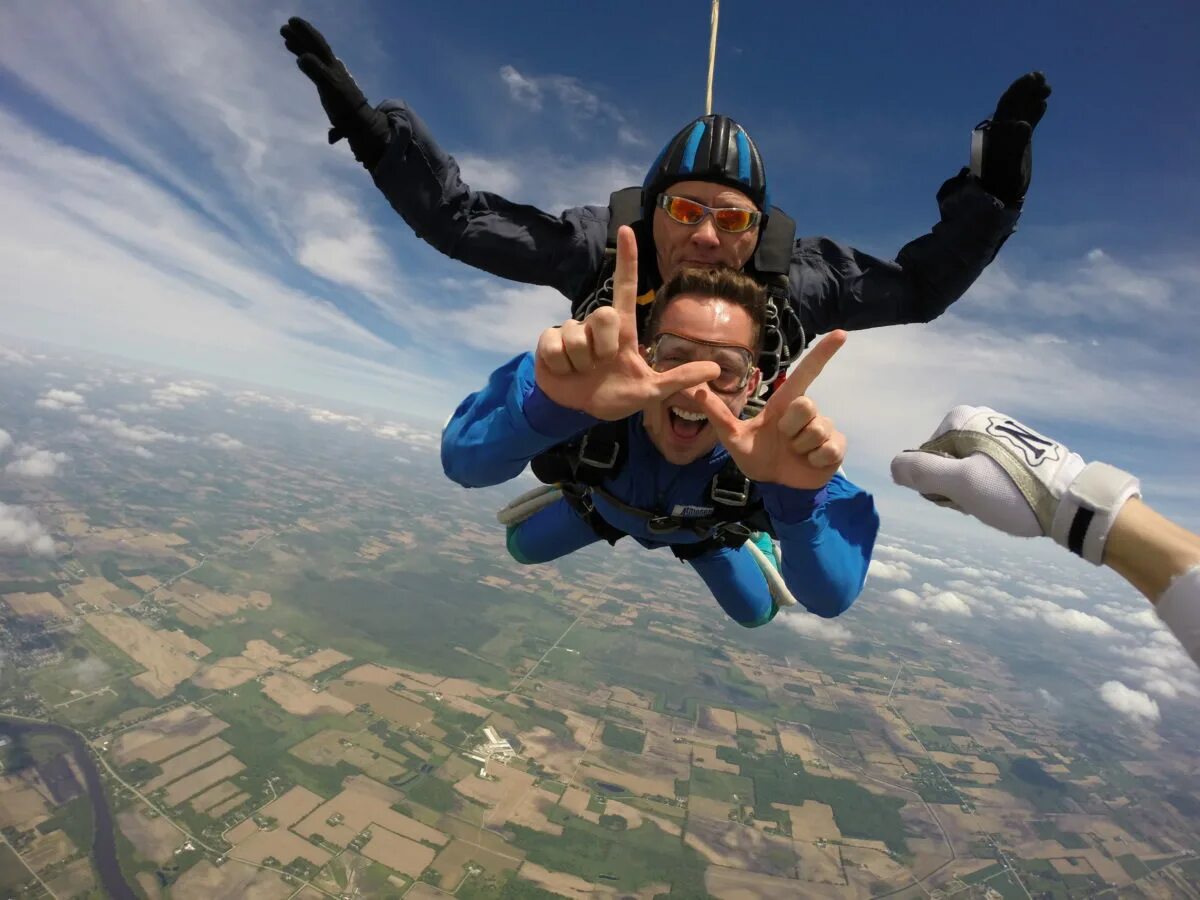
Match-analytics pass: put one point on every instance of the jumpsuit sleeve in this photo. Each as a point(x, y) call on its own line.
point(826, 538)
point(512, 240)
point(833, 286)
point(496, 431)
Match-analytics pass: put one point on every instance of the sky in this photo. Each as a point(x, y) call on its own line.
point(167, 195)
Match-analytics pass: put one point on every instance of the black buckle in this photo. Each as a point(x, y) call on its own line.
point(662, 524)
point(738, 496)
point(594, 463)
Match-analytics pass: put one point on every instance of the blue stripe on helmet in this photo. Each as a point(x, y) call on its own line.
point(693, 144)
point(743, 149)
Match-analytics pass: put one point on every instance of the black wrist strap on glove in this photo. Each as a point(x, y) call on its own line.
point(1002, 146)
point(352, 117)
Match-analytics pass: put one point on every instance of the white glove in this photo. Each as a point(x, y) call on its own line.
point(990, 466)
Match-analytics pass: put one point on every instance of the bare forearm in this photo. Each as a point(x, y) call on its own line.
point(1148, 550)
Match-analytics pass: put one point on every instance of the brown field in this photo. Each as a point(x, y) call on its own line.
point(863, 867)
point(325, 749)
point(202, 780)
point(149, 884)
point(145, 582)
point(652, 783)
point(822, 865)
point(155, 839)
point(951, 761)
point(747, 723)
point(241, 831)
point(96, 591)
point(557, 882)
point(266, 654)
point(720, 720)
point(76, 878)
point(298, 698)
point(726, 843)
point(210, 798)
point(156, 739)
point(705, 757)
point(502, 795)
point(37, 606)
point(232, 803)
point(317, 662)
point(362, 804)
point(811, 821)
point(21, 802)
point(383, 702)
point(292, 806)
point(178, 766)
point(166, 665)
point(738, 884)
point(462, 704)
point(47, 849)
point(398, 853)
point(458, 853)
point(373, 674)
point(575, 800)
point(531, 811)
point(227, 673)
point(204, 881)
point(182, 642)
point(281, 844)
point(797, 742)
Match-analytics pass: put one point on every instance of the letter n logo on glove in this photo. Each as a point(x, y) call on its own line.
point(1035, 448)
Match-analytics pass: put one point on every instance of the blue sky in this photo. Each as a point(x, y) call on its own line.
point(168, 194)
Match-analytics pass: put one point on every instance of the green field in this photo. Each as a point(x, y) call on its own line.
point(620, 738)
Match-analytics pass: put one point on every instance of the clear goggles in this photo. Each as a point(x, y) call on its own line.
point(733, 219)
point(667, 351)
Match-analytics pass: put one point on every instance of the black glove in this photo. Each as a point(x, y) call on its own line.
point(1001, 149)
point(351, 116)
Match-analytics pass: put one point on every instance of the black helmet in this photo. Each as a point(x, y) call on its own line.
point(710, 148)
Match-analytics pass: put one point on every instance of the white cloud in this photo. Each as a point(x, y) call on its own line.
point(1135, 705)
point(57, 399)
point(922, 628)
point(6, 440)
point(34, 463)
point(578, 102)
point(905, 596)
point(1076, 620)
point(811, 626)
point(223, 441)
point(177, 393)
point(897, 571)
point(19, 528)
point(142, 452)
point(130, 434)
point(947, 602)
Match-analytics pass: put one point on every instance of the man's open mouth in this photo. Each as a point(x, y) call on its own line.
point(685, 425)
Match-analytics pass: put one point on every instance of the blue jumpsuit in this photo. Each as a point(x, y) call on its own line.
point(826, 536)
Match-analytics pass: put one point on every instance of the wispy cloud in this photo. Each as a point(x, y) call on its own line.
point(571, 96)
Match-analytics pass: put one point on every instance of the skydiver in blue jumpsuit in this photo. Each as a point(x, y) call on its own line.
point(677, 396)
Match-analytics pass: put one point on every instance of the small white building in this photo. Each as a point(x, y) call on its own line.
point(494, 746)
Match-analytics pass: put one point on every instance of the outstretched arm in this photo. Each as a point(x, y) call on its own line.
point(990, 466)
point(835, 286)
point(422, 183)
point(495, 432)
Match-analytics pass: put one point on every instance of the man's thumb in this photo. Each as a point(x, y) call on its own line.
point(721, 416)
point(683, 377)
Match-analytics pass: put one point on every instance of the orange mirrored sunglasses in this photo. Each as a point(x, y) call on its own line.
point(688, 212)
